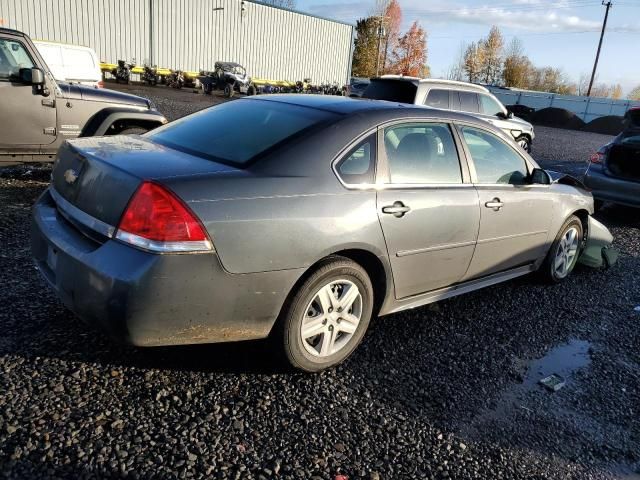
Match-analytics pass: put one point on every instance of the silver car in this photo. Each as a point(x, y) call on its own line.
point(319, 214)
point(452, 95)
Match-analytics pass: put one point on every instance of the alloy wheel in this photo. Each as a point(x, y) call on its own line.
point(331, 318)
point(566, 252)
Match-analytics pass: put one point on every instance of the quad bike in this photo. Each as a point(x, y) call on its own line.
point(122, 72)
point(176, 79)
point(229, 77)
point(150, 75)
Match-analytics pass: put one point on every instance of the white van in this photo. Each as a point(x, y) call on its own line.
point(71, 63)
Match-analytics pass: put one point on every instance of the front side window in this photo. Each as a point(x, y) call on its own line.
point(495, 161)
point(358, 165)
point(13, 57)
point(438, 98)
point(490, 106)
point(422, 153)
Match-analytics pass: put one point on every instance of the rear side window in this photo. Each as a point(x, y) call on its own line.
point(237, 132)
point(454, 100)
point(422, 153)
point(393, 90)
point(438, 98)
point(469, 102)
point(358, 165)
point(13, 57)
point(494, 160)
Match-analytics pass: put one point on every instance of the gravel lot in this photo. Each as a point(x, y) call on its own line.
point(447, 391)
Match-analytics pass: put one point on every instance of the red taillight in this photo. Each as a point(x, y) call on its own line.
point(597, 157)
point(157, 220)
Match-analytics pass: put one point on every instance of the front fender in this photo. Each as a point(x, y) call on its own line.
point(598, 251)
point(102, 120)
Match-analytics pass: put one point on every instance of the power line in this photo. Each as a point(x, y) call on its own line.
point(505, 8)
point(595, 64)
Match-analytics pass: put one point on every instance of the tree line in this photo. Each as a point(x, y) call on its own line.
point(381, 48)
point(492, 62)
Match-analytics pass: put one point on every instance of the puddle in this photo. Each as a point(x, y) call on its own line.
point(563, 360)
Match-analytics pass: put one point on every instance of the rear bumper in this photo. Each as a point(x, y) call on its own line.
point(612, 189)
point(148, 299)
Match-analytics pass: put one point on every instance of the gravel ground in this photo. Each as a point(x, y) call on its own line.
point(447, 391)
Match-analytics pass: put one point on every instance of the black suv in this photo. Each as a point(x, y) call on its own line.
point(39, 114)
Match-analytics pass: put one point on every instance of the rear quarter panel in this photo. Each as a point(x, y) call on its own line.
point(289, 211)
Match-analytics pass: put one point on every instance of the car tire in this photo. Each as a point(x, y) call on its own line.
point(251, 90)
point(525, 143)
point(564, 252)
point(337, 276)
point(228, 90)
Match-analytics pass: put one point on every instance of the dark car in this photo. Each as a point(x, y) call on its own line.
point(318, 213)
point(613, 173)
point(39, 114)
point(357, 86)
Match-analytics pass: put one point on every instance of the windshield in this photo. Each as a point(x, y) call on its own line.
point(402, 91)
point(236, 132)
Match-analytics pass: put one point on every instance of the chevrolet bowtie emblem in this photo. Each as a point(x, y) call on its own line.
point(70, 176)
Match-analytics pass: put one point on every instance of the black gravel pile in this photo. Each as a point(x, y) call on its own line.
point(431, 393)
point(557, 117)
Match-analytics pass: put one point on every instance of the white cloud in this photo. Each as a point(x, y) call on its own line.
point(523, 15)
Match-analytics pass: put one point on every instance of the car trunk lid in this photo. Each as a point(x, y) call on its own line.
point(99, 175)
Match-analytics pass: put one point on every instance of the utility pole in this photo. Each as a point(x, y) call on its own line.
point(380, 35)
point(595, 65)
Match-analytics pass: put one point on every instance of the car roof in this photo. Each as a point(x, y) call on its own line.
point(12, 31)
point(434, 81)
point(348, 106)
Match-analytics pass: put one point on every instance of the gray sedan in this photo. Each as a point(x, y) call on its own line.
point(299, 217)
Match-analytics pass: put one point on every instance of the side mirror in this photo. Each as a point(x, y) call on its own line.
point(540, 177)
point(33, 76)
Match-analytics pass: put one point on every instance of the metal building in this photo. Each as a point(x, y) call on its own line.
point(193, 34)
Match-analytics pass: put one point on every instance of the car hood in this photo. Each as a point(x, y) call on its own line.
point(522, 123)
point(83, 92)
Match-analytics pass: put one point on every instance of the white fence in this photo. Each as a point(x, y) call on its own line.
point(586, 108)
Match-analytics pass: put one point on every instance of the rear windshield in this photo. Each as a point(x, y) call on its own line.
point(402, 91)
point(238, 131)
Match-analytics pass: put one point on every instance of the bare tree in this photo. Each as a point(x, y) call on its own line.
point(456, 71)
point(634, 94)
point(616, 91)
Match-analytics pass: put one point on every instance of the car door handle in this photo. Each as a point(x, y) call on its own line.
point(398, 209)
point(496, 204)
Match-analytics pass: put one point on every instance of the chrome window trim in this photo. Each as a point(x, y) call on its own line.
point(77, 215)
point(340, 156)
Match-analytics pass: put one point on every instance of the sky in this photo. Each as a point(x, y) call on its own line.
point(560, 33)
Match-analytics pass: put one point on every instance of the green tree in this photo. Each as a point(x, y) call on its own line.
point(365, 47)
